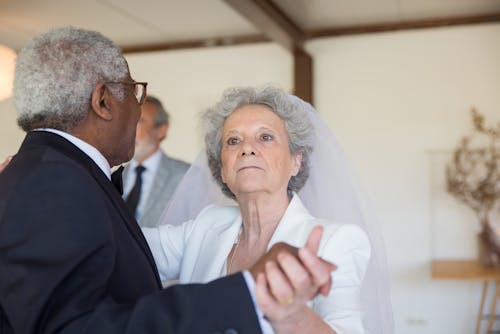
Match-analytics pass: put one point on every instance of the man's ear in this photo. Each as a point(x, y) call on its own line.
point(101, 102)
point(161, 132)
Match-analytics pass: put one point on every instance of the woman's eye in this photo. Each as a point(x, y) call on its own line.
point(266, 137)
point(232, 141)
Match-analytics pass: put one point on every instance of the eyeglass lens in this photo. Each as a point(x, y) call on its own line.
point(139, 90)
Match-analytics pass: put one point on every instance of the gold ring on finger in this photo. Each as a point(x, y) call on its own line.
point(288, 302)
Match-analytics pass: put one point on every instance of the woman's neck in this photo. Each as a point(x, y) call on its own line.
point(261, 214)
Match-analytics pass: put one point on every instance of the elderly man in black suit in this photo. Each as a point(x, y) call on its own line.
point(72, 257)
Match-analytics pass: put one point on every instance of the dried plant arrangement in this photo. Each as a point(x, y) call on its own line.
point(473, 177)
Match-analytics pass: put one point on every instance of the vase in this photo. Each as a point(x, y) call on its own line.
point(488, 247)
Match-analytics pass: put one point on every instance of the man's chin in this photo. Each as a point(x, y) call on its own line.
point(139, 153)
point(142, 152)
point(137, 157)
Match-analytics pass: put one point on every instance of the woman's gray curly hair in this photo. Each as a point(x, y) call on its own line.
point(56, 73)
point(297, 123)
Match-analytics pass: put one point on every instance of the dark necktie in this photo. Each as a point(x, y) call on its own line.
point(135, 194)
point(117, 180)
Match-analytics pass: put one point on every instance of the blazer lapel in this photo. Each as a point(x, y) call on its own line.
point(216, 246)
point(293, 228)
point(157, 193)
point(129, 220)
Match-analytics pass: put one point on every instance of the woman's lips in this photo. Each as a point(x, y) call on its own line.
point(248, 167)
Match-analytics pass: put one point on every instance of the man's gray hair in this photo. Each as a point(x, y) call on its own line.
point(297, 123)
point(56, 73)
point(161, 115)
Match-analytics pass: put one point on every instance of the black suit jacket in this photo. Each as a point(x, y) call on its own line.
point(73, 260)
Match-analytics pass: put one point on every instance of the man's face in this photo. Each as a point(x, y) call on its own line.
point(122, 133)
point(148, 137)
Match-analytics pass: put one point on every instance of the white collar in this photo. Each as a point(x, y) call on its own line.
point(150, 163)
point(291, 222)
point(88, 149)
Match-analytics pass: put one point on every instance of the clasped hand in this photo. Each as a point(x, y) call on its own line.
point(287, 277)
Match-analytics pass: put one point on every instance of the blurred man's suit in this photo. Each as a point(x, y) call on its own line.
point(169, 173)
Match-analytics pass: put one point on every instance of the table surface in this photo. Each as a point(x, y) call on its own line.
point(463, 270)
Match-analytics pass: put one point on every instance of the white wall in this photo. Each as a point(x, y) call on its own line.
point(11, 135)
point(399, 103)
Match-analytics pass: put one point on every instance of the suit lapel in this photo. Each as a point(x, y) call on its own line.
point(216, 246)
point(293, 228)
point(129, 220)
point(157, 192)
point(38, 138)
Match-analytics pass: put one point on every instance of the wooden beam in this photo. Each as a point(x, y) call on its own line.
point(303, 75)
point(417, 24)
point(317, 33)
point(199, 43)
point(270, 20)
point(274, 23)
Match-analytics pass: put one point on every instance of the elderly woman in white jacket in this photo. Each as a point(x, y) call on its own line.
point(258, 145)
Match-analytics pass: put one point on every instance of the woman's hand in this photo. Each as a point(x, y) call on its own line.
point(5, 163)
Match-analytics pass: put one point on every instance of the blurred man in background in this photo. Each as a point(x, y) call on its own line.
point(151, 177)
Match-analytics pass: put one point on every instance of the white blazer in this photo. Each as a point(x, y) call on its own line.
point(196, 252)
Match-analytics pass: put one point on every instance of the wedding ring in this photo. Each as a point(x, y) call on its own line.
point(288, 302)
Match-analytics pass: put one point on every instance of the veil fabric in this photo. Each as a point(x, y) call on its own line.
point(331, 192)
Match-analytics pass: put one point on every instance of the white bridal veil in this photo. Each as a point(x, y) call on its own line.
point(331, 192)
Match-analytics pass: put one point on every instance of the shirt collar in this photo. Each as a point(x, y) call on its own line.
point(150, 163)
point(88, 149)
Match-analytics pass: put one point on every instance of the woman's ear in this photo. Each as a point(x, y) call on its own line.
point(222, 175)
point(101, 102)
point(296, 163)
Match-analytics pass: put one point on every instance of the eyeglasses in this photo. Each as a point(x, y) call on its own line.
point(139, 89)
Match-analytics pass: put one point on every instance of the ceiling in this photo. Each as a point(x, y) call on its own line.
point(143, 25)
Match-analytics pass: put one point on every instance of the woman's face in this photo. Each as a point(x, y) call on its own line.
point(255, 154)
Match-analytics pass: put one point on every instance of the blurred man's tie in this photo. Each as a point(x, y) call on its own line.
point(135, 194)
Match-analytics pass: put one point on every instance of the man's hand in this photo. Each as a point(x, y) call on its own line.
point(5, 163)
point(286, 278)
